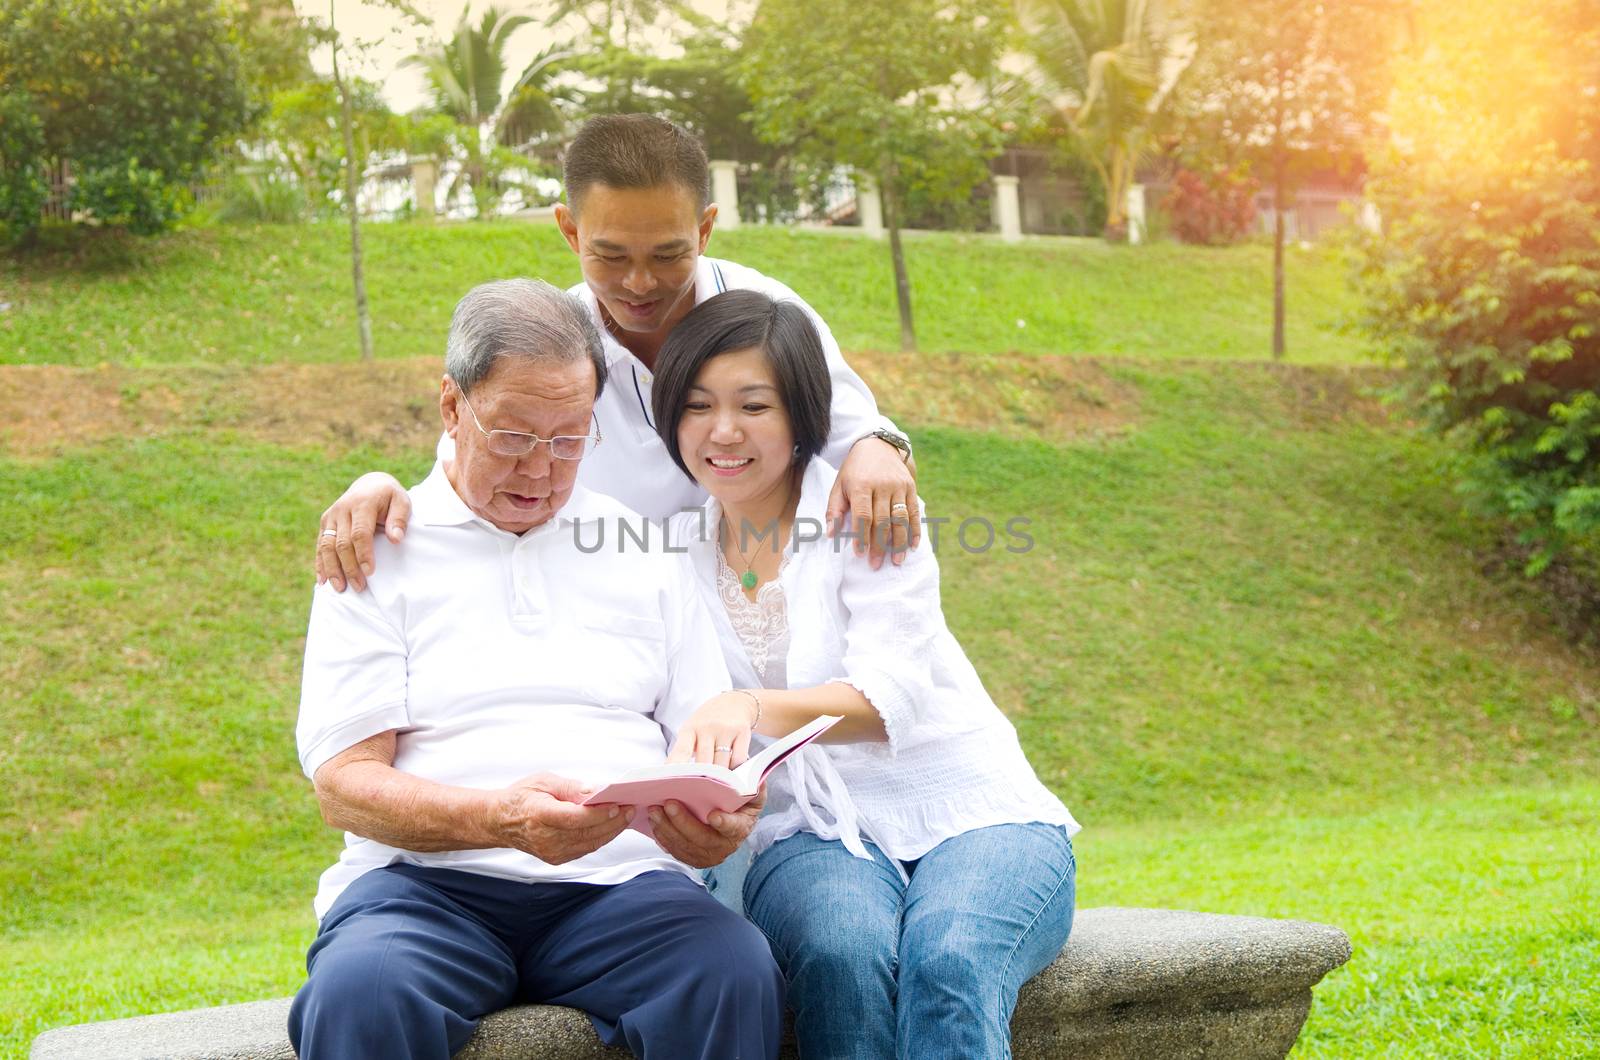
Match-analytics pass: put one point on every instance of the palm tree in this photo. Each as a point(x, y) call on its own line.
point(533, 107)
point(604, 18)
point(466, 75)
point(1112, 65)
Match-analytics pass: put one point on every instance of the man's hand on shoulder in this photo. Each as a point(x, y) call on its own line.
point(542, 815)
point(875, 496)
point(698, 845)
point(344, 540)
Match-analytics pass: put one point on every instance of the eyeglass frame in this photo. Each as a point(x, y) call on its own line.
point(596, 437)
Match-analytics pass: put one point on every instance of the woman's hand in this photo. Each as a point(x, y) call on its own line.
point(344, 541)
point(718, 732)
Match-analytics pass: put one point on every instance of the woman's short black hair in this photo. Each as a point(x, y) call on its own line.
point(743, 320)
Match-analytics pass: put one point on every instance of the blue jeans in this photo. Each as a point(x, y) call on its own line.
point(878, 968)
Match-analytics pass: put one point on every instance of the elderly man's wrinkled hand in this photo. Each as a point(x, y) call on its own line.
point(542, 815)
point(698, 845)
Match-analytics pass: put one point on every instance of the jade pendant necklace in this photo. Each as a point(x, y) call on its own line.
point(748, 578)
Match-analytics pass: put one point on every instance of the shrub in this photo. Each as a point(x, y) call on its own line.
point(1489, 297)
point(261, 197)
point(136, 94)
point(1485, 286)
point(22, 187)
point(1214, 208)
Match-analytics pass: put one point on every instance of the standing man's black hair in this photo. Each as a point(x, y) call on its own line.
point(635, 151)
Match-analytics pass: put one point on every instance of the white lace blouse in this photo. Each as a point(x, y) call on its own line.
point(761, 625)
point(952, 762)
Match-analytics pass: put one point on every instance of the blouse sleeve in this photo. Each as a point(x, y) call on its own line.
point(854, 413)
point(894, 626)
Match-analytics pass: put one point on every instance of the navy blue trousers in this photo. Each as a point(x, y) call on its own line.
point(409, 959)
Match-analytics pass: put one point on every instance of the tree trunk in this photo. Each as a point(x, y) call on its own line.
point(1280, 163)
point(1279, 347)
point(902, 282)
point(352, 185)
point(1116, 230)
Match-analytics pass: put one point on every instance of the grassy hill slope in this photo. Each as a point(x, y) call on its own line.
point(282, 293)
point(1250, 645)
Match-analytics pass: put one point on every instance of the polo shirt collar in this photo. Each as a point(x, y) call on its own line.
point(435, 502)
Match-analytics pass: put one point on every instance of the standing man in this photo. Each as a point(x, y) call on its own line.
point(452, 711)
point(638, 215)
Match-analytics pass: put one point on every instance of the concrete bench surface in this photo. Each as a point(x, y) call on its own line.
point(1131, 983)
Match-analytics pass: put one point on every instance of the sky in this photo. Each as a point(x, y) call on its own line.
point(381, 38)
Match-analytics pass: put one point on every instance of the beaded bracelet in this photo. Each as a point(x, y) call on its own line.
point(752, 695)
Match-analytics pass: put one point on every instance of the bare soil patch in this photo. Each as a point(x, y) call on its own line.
point(392, 405)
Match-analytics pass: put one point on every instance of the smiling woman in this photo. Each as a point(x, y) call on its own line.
point(913, 874)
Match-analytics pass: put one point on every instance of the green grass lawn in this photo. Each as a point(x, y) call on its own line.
point(283, 293)
point(1253, 649)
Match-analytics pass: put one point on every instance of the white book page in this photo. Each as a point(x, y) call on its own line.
point(755, 769)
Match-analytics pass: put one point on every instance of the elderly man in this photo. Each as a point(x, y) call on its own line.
point(638, 215)
point(453, 710)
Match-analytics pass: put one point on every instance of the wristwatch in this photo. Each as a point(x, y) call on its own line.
point(899, 441)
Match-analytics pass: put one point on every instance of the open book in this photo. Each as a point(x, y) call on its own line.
point(702, 786)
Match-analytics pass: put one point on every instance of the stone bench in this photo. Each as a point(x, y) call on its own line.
point(1131, 983)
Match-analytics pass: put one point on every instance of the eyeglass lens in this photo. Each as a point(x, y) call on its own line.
point(562, 446)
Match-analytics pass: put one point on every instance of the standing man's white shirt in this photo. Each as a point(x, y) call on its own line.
point(495, 656)
point(632, 465)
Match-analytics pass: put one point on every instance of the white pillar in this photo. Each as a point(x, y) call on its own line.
point(424, 178)
point(1135, 212)
point(1007, 209)
point(1369, 217)
point(725, 193)
point(869, 206)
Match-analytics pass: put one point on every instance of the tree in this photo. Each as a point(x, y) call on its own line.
point(1285, 87)
point(352, 188)
point(617, 20)
point(274, 46)
point(467, 75)
point(137, 94)
point(877, 87)
point(1109, 66)
point(303, 129)
point(699, 90)
point(538, 105)
point(1485, 284)
point(22, 187)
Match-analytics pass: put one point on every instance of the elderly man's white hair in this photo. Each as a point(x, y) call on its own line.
point(520, 318)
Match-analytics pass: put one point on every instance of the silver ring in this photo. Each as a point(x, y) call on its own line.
point(898, 508)
point(330, 533)
point(719, 750)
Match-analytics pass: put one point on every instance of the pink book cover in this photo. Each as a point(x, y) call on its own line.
point(701, 786)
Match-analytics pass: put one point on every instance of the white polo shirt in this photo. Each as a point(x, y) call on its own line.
point(495, 656)
point(632, 464)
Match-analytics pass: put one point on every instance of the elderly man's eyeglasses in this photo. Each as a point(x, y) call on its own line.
point(518, 443)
